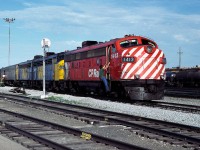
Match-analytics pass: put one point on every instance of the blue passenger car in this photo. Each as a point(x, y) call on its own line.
point(25, 71)
point(49, 68)
point(10, 74)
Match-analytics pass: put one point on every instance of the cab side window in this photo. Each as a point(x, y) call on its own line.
point(113, 49)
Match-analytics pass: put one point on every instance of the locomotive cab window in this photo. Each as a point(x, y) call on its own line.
point(147, 42)
point(113, 48)
point(129, 43)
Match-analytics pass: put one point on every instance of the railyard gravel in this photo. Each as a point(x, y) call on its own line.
point(143, 111)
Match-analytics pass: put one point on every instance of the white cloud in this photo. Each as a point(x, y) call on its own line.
point(28, 4)
point(98, 16)
point(83, 20)
point(180, 37)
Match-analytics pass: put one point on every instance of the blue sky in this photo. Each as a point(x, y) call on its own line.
point(171, 24)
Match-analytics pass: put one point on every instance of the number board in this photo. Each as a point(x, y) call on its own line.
point(128, 59)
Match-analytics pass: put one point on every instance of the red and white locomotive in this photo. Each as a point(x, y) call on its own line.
point(136, 69)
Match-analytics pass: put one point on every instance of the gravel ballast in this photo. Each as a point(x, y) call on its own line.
point(143, 111)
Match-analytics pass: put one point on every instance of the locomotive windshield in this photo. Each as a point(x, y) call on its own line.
point(147, 42)
point(129, 43)
point(134, 42)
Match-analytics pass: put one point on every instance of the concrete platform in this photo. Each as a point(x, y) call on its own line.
point(7, 144)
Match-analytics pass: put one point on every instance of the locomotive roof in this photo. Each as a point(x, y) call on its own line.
point(104, 44)
point(26, 62)
point(99, 45)
point(7, 67)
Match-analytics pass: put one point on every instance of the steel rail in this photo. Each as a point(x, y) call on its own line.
point(37, 138)
point(78, 132)
point(176, 106)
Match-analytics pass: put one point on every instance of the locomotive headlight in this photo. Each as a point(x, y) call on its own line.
point(137, 76)
point(163, 77)
point(173, 75)
point(149, 49)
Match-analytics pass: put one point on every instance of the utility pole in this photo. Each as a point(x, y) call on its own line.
point(9, 20)
point(180, 53)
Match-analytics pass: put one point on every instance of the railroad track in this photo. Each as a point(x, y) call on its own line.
point(35, 133)
point(183, 92)
point(189, 93)
point(172, 106)
point(161, 104)
point(176, 134)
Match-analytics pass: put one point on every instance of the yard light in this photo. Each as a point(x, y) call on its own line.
point(46, 43)
point(9, 20)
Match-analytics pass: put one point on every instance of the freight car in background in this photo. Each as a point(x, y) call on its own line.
point(183, 77)
point(136, 70)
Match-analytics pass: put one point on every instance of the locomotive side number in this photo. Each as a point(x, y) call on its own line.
point(128, 59)
point(114, 55)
